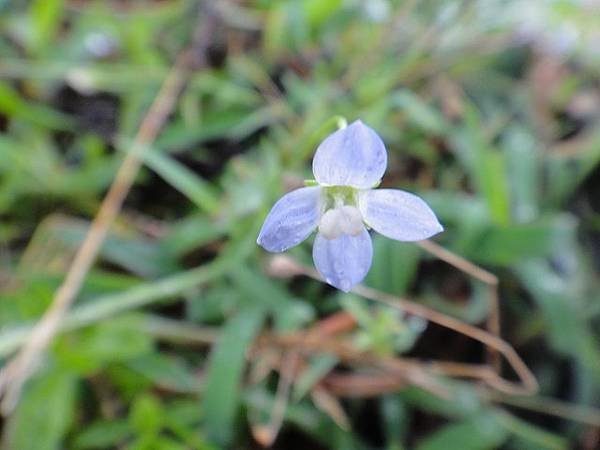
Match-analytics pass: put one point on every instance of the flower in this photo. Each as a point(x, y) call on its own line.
point(347, 165)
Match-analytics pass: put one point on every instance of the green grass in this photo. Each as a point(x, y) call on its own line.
point(489, 109)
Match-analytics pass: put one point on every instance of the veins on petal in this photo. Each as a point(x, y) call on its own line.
point(291, 220)
point(345, 261)
point(353, 156)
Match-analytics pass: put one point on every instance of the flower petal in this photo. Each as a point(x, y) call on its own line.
point(398, 214)
point(291, 220)
point(353, 156)
point(344, 261)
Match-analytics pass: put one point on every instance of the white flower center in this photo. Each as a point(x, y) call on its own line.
point(341, 220)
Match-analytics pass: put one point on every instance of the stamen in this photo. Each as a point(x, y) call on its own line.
point(329, 225)
point(341, 220)
point(351, 221)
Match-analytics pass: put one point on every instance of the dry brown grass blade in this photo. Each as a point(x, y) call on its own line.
point(481, 372)
point(465, 266)
point(265, 435)
point(336, 323)
point(18, 370)
point(550, 406)
point(345, 351)
point(330, 405)
point(528, 383)
point(362, 385)
point(289, 362)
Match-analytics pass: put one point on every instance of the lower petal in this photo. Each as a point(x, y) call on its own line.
point(345, 261)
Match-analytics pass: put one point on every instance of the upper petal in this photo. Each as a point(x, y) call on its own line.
point(345, 261)
point(353, 156)
point(291, 220)
point(398, 214)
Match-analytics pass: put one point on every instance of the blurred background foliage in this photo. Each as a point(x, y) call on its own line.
point(489, 109)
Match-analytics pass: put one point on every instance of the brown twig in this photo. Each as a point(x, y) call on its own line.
point(18, 370)
point(362, 385)
point(528, 383)
point(491, 281)
point(459, 262)
point(550, 406)
point(329, 404)
point(266, 434)
point(344, 350)
point(336, 323)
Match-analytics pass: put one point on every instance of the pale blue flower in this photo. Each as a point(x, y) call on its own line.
point(347, 166)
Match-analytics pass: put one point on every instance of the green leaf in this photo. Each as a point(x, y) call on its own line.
point(276, 35)
point(394, 265)
point(166, 372)
point(318, 12)
point(103, 434)
point(191, 232)
point(396, 418)
point(215, 125)
point(133, 252)
point(479, 433)
point(45, 412)
point(45, 21)
point(146, 415)
point(524, 172)
point(529, 436)
point(418, 112)
point(184, 180)
point(486, 165)
point(567, 326)
point(181, 419)
point(318, 367)
point(255, 288)
point(13, 105)
point(463, 403)
point(509, 244)
point(109, 305)
point(183, 411)
point(567, 171)
point(225, 369)
point(117, 340)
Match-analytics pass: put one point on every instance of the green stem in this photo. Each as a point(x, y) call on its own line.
point(110, 305)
